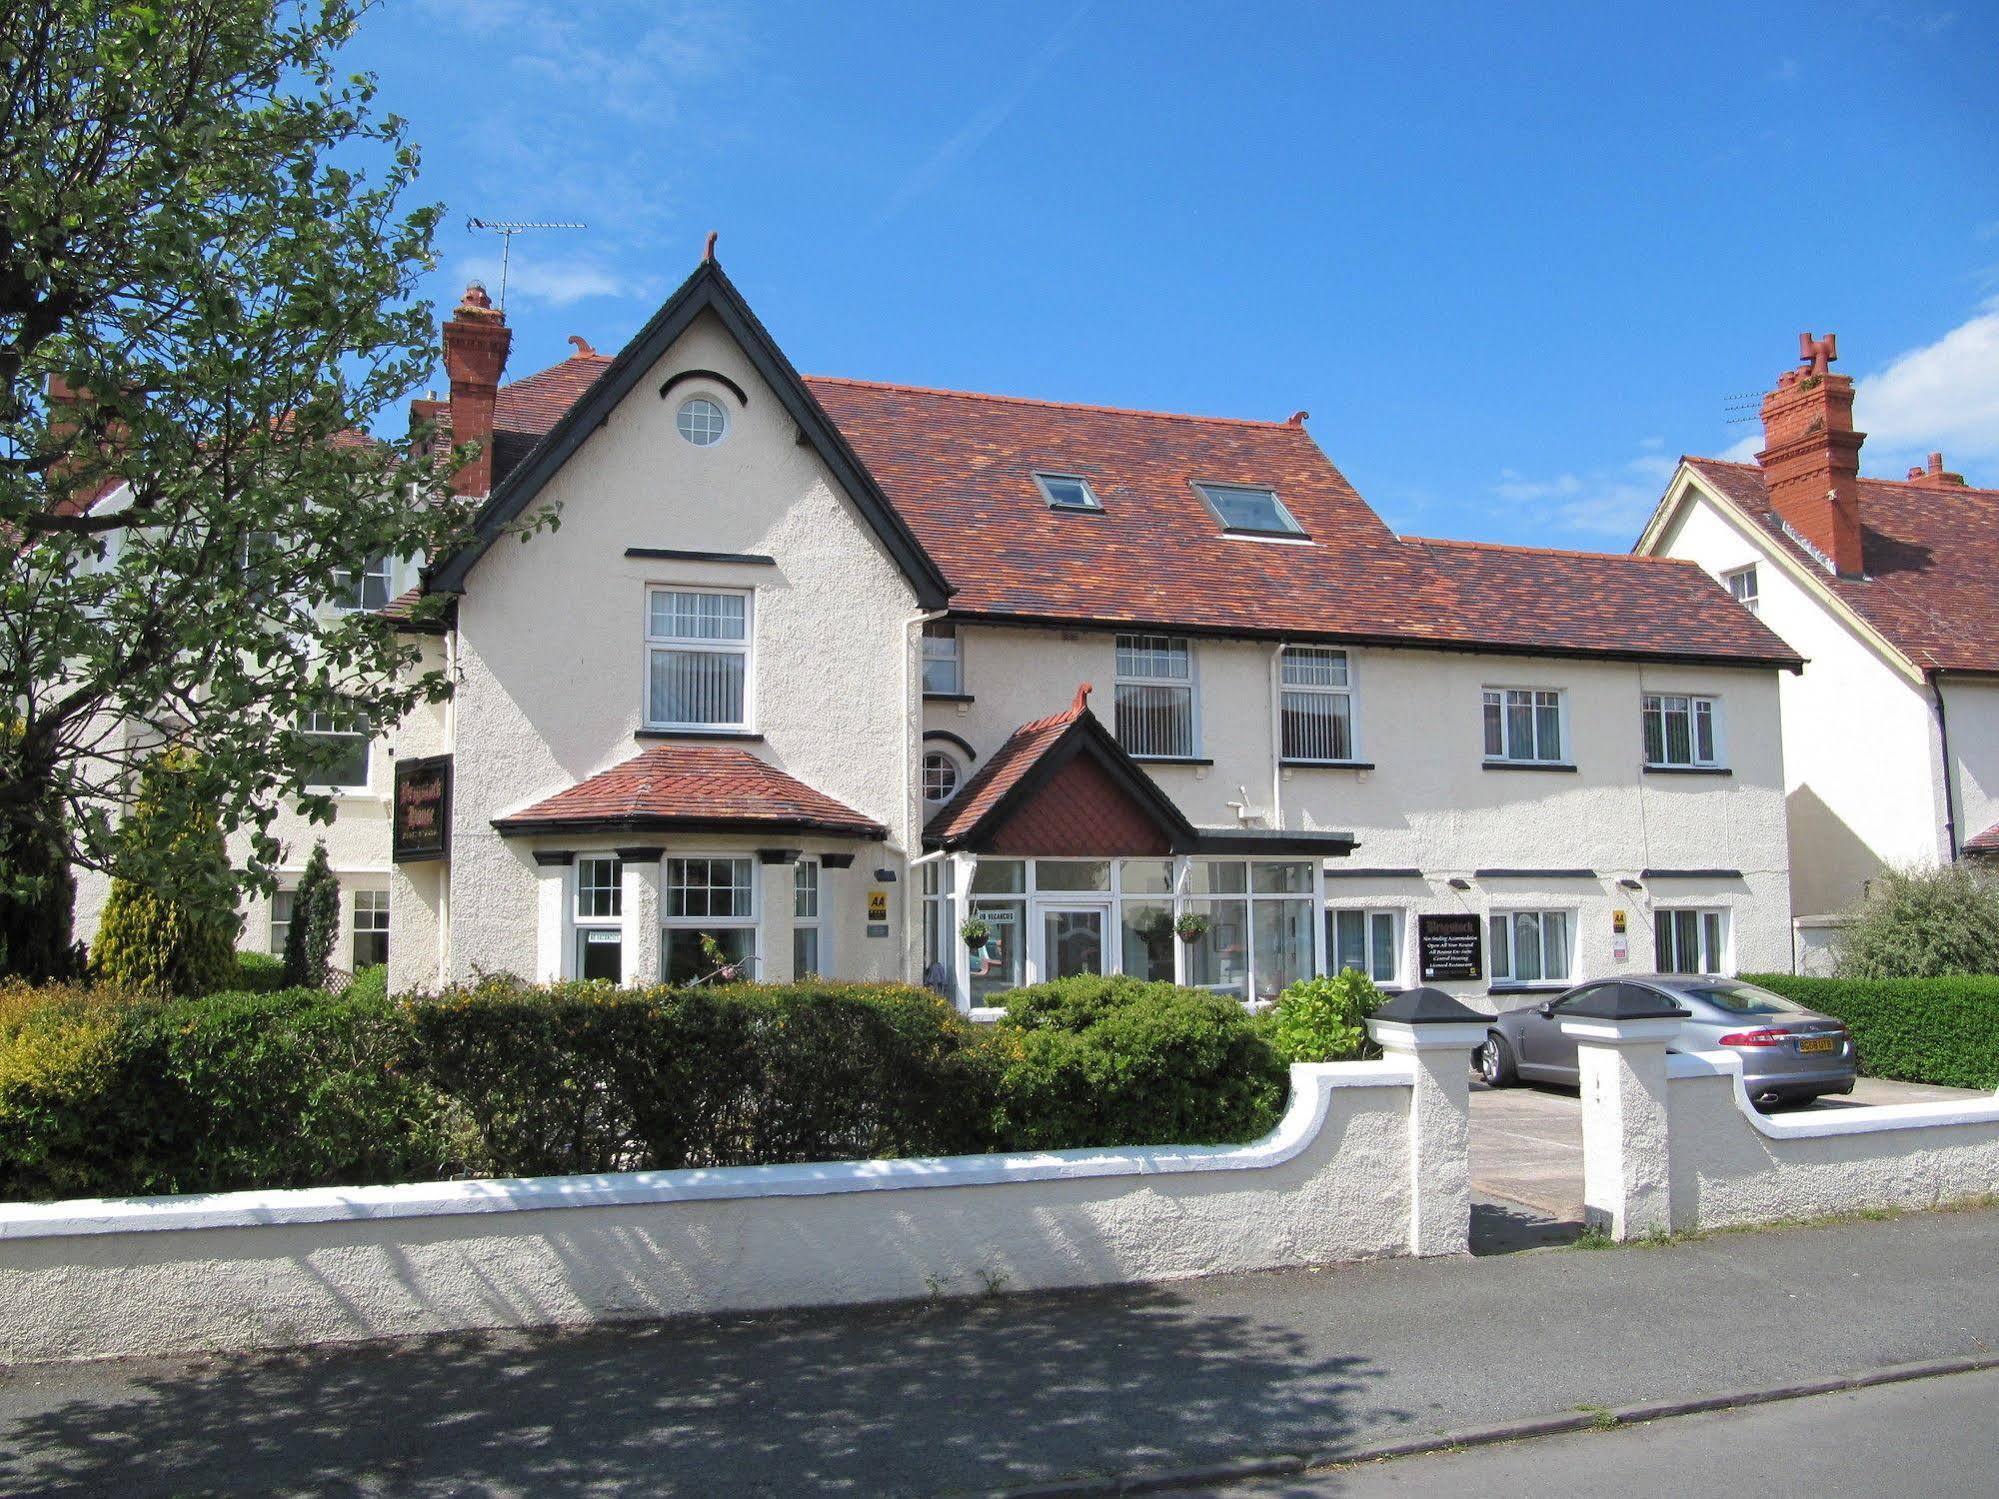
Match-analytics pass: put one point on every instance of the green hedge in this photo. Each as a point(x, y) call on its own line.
point(1943, 1031)
point(104, 1093)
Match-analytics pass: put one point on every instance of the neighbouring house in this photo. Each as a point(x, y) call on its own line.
point(1889, 588)
point(819, 670)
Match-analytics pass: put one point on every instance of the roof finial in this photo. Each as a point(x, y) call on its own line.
point(1299, 418)
point(708, 253)
point(583, 349)
point(1819, 353)
point(1082, 699)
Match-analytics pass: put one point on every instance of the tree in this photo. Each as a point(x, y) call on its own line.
point(207, 292)
point(37, 903)
point(1916, 924)
point(174, 943)
point(315, 923)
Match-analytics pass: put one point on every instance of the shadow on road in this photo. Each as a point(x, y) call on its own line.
point(908, 1399)
point(1499, 1227)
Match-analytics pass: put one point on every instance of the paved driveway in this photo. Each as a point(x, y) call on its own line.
point(1527, 1156)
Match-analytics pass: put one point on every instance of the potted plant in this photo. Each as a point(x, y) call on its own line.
point(974, 933)
point(1192, 927)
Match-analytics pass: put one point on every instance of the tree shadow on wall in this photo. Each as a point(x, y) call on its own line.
point(908, 1399)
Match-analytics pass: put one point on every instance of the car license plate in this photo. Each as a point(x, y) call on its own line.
point(1819, 1044)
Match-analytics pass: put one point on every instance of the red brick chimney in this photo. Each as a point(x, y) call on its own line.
point(1811, 454)
point(81, 478)
point(475, 355)
point(1936, 476)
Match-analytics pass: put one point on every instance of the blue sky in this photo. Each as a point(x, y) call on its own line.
point(1513, 259)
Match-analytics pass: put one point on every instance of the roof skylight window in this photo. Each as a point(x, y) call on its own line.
point(1243, 507)
point(1067, 492)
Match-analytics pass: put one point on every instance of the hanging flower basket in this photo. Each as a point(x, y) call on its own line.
point(1192, 927)
point(974, 933)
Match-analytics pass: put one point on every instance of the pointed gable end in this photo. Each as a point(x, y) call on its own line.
point(704, 291)
point(1062, 786)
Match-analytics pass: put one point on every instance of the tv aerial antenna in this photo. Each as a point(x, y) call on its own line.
point(507, 229)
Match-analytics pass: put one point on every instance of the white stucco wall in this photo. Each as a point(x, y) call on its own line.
point(259, 1270)
point(1730, 1164)
point(552, 655)
point(1972, 708)
point(1860, 744)
point(1429, 804)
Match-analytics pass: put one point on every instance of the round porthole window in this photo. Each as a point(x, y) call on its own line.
point(940, 777)
point(701, 421)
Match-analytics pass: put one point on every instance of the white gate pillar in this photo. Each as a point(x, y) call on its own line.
point(1621, 1033)
point(1437, 1034)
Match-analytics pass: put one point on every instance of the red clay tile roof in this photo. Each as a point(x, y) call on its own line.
point(959, 467)
point(1986, 842)
point(528, 407)
point(706, 786)
point(402, 610)
point(1931, 556)
point(999, 775)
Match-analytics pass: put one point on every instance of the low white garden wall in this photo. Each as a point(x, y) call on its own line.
point(1730, 1164)
point(1337, 1180)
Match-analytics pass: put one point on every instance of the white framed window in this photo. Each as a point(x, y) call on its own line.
point(1366, 939)
point(1246, 507)
point(1524, 724)
point(1742, 583)
point(1690, 940)
point(1067, 492)
point(600, 906)
point(806, 956)
point(1154, 697)
point(1682, 730)
point(341, 746)
point(697, 658)
point(943, 667)
point(371, 928)
point(1316, 704)
point(1259, 935)
point(1530, 947)
point(941, 777)
point(715, 897)
point(281, 921)
point(367, 590)
point(701, 421)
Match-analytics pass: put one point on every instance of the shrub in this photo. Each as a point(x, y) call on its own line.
point(1323, 1019)
point(1099, 1061)
point(1936, 923)
point(1943, 1031)
point(180, 940)
point(371, 982)
point(37, 890)
point(256, 973)
point(315, 924)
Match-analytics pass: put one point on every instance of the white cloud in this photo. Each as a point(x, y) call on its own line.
point(1942, 395)
point(1744, 449)
point(1610, 503)
point(553, 281)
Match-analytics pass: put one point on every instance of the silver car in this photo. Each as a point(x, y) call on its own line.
point(1789, 1054)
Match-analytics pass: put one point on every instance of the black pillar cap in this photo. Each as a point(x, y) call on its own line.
point(1428, 1006)
point(1623, 1002)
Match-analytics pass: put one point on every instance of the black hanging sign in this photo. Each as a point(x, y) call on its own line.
point(422, 824)
point(1449, 947)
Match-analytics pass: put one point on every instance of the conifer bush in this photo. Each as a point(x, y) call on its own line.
point(178, 937)
point(315, 924)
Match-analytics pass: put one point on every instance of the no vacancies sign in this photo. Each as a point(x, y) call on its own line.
point(421, 828)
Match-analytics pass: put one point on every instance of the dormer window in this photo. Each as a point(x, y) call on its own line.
point(1067, 492)
point(1252, 511)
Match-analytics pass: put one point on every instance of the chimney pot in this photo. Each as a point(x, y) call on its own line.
point(1936, 476)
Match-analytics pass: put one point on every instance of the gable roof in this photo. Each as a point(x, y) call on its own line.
point(1930, 585)
point(960, 468)
point(1031, 756)
point(714, 788)
point(1986, 844)
point(706, 290)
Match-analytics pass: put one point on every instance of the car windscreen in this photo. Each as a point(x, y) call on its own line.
point(1744, 999)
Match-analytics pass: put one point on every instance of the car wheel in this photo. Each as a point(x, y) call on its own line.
point(1496, 1066)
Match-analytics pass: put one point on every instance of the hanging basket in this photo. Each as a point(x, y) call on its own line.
point(975, 934)
point(1191, 927)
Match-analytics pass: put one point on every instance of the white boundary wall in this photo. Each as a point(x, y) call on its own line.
point(1336, 1180)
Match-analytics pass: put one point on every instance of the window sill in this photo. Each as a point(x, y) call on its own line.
point(947, 697)
point(1171, 760)
point(1688, 770)
point(1554, 765)
point(1326, 764)
point(748, 735)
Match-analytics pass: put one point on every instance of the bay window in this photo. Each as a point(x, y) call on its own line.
point(600, 932)
point(371, 928)
point(999, 900)
point(713, 898)
point(805, 959)
point(1681, 732)
point(1154, 697)
point(1316, 705)
point(281, 921)
point(1529, 947)
point(697, 659)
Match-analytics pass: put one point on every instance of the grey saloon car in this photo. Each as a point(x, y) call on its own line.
point(1789, 1054)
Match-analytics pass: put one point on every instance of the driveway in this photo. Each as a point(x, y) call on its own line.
point(1527, 1156)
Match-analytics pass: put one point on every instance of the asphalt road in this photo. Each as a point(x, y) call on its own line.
point(1929, 1436)
point(1020, 1390)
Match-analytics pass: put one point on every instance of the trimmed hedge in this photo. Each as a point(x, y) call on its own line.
point(112, 1093)
point(1943, 1031)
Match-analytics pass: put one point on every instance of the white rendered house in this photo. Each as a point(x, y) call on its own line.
point(821, 669)
point(1889, 588)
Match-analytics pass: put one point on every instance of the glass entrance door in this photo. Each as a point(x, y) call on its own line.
point(1073, 940)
